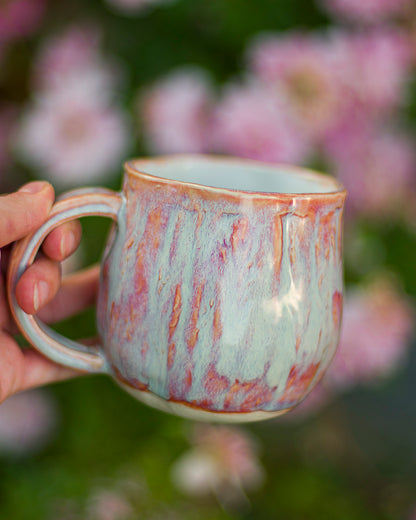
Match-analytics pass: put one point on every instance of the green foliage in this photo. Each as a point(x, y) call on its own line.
point(316, 469)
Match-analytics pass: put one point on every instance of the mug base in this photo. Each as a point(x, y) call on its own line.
point(198, 414)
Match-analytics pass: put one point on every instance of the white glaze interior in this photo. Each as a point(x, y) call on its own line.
point(238, 175)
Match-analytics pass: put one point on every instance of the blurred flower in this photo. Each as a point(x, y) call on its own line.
point(72, 57)
point(223, 461)
point(366, 11)
point(251, 121)
point(376, 329)
point(72, 131)
point(20, 18)
point(176, 113)
point(324, 79)
point(303, 71)
point(130, 7)
point(27, 422)
point(72, 137)
point(109, 504)
point(376, 166)
point(375, 66)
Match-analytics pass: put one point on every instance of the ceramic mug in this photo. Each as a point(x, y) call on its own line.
point(221, 285)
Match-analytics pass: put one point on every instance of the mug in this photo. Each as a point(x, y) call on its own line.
point(220, 292)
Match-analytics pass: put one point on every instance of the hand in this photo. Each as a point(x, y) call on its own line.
point(20, 214)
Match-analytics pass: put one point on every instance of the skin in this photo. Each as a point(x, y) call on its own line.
point(21, 213)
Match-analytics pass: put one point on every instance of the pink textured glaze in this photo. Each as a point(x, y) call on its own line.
point(221, 300)
point(221, 286)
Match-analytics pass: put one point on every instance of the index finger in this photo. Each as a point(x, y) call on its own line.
point(24, 211)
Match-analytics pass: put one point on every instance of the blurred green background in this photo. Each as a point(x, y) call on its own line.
point(109, 457)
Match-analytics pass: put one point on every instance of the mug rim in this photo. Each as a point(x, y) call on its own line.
point(133, 167)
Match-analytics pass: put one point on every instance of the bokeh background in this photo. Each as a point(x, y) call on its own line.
point(328, 84)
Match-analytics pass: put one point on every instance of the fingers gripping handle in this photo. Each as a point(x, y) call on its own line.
point(79, 203)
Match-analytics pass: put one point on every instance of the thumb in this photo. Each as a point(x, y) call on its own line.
point(24, 211)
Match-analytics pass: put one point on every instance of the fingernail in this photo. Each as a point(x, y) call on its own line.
point(34, 187)
point(40, 294)
point(67, 244)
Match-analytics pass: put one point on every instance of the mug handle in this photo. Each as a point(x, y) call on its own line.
point(72, 205)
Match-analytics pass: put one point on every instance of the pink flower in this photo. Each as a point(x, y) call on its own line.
point(74, 57)
point(20, 18)
point(251, 121)
point(109, 504)
point(27, 422)
point(223, 460)
point(72, 131)
point(72, 136)
point(128, 7)
point(376, 330)
point(377, 168)
point(176, 113)
point(375, 66)
point(325, 79)
point(302, 70)
point(366, 11)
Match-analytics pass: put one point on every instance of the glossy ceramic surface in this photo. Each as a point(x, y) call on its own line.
point(216, 303)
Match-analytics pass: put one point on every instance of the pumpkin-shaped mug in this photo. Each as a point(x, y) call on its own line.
point(220, 291)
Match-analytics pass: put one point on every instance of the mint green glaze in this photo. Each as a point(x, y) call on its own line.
point(265, 317)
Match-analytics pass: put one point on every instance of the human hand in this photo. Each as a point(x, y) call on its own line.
point(21, 213)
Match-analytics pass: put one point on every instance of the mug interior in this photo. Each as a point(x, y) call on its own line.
point(234, 174)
